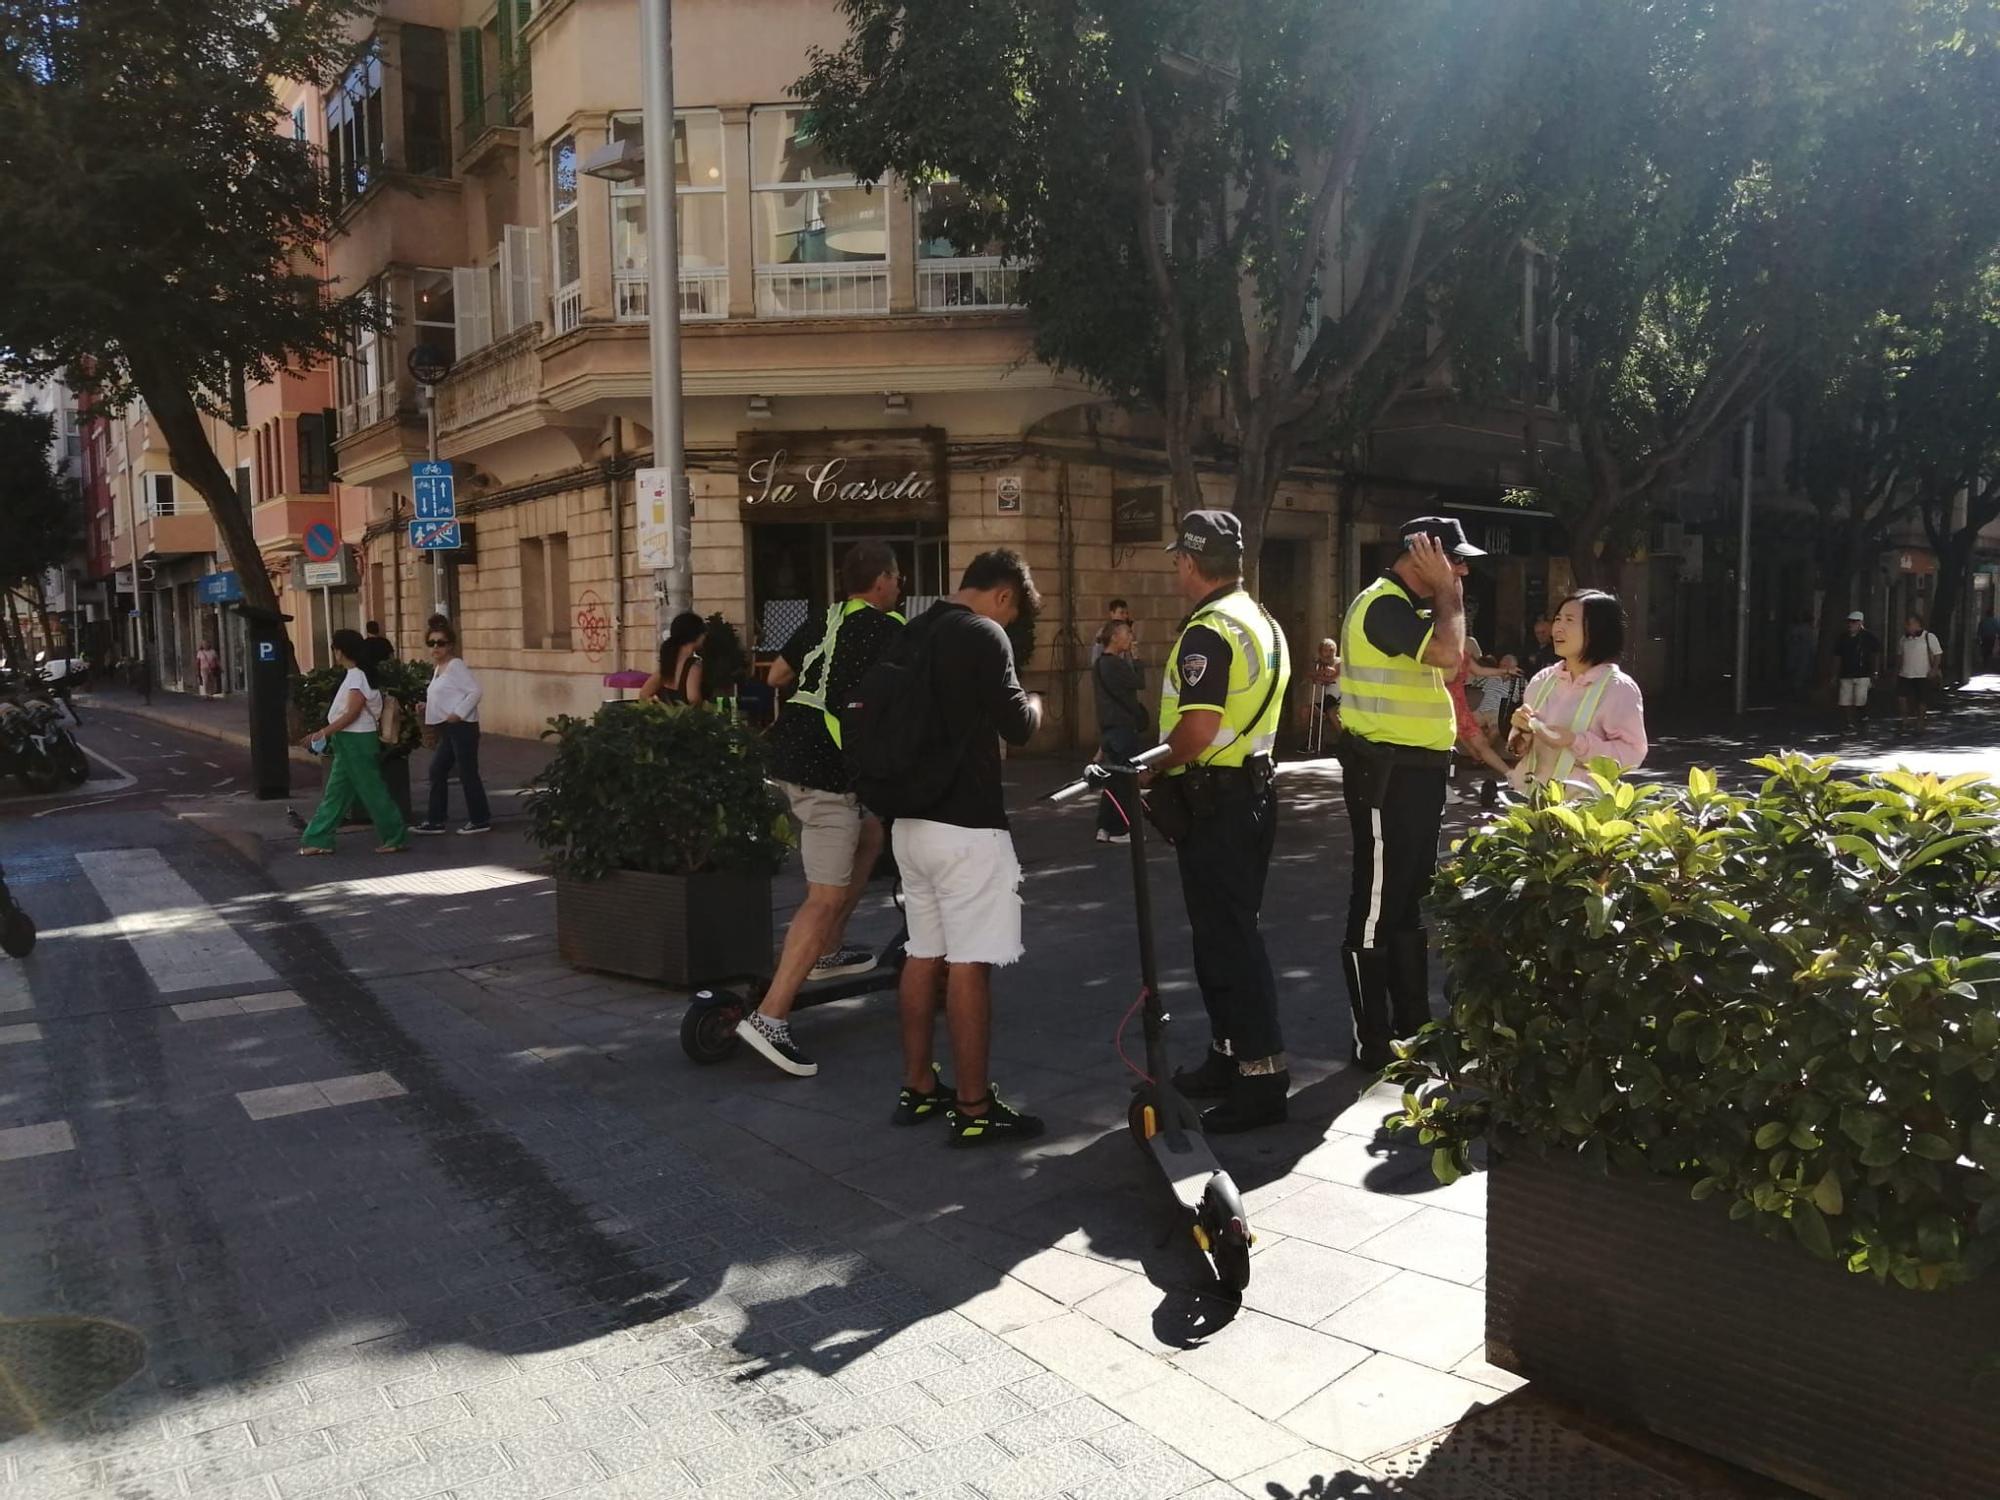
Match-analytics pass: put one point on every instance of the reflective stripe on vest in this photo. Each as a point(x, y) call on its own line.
point(1257, 649)
point(1392, 700)
point(1582, 719)
point(815, 696)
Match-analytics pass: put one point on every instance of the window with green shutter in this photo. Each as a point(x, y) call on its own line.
point(471, 83)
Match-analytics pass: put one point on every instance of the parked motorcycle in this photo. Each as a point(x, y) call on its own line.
point(58, 743)
point(25, 750)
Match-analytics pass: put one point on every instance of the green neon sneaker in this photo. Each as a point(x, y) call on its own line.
point(1000, 1123)
point(913, 1108)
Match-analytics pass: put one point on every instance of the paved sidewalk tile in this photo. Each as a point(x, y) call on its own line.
point(1385, 1404)
point(297, 1098)
point(238, 1005)
point(26, 1032)
point(1450, 1246)
point(1267, 1365)
point(1432, 1322)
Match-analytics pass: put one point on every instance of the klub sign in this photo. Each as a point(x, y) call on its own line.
point(896, 475)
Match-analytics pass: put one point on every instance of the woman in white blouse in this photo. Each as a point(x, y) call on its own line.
point(352, 741)
point(451, 707)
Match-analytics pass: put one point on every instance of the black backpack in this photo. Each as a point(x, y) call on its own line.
point(900, 757)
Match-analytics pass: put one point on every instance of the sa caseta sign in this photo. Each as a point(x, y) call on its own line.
point(894, 474)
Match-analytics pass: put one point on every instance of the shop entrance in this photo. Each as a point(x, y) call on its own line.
point(794, 570)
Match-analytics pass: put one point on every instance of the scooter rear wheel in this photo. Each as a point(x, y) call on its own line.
point(708, 1030)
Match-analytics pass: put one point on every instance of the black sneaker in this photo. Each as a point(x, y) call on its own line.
point(913, 1108)
point(773, 1041)
point(428, 828)
point(1251, 1104)
point(1000, 1123)
point(1209, 1081)
point(474, 828)
point(842, 962)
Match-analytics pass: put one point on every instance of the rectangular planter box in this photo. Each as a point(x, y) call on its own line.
point(1626, 1297)
point(682, 930)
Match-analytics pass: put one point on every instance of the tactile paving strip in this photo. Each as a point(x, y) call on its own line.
point(50, 1367)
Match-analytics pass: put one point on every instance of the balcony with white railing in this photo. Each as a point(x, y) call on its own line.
point(569, 308)
point(968, 283)
point(704, 294)
point(498, 378)
point(376, 406)
point(823, 291)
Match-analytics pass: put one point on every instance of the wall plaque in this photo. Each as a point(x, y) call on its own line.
point(898, 474)
point(1137, 514)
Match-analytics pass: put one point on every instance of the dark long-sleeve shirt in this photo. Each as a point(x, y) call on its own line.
point(981, 703)
point(1117, 681)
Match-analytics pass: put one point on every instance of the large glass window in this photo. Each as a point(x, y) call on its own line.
point(354, 127)
point(426, 102)
point(434, 312)
point(565, 238)
point(702, 222)
point(821, 239)
point(367, 387)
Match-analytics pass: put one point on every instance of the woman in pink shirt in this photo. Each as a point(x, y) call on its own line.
point(1583, 707)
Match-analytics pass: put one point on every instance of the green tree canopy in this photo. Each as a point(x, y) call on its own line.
point(162, 233)
point(40, 517)
point(1259, 220)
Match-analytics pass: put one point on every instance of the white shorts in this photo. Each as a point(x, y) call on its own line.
point(961, 891)
point(1854, 692)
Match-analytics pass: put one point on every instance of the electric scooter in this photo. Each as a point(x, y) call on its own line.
point(1164, 1124)
point(708, 1029)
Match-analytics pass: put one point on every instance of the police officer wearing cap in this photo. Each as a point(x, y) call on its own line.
point(1403, 638)
point(1215, 797)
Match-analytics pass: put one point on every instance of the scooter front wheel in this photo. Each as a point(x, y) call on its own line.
point(1222, 1229)
point(708, 1030)
point(1143, 1118)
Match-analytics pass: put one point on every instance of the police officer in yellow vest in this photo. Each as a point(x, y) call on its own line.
point(1220, 703)
point(1403, 638)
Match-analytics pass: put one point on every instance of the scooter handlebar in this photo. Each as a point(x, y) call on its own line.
point(1145, 760)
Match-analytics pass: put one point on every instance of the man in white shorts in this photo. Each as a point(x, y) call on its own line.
point(961, 880)
point(838, 842)
point(1860, 657)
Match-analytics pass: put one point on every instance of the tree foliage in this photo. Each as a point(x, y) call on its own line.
point(40, 521)
point(1246, 218)
point(162, 231)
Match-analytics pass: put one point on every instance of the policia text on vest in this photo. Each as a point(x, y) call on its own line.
point(1221, 700)
point(1404, 635)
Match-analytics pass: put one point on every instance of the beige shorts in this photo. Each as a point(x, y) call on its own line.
point(829, 832)
point(961, 891)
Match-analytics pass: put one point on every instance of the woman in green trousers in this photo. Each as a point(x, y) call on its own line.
point(353, 743)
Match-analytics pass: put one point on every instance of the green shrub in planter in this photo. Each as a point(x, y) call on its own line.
point(312, 695)
point(659, 788)
point(1786, 999)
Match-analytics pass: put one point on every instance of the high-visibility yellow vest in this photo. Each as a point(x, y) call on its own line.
point(812, 693)
point(1249, 721)
point(1391, 700)
point(1581, 720)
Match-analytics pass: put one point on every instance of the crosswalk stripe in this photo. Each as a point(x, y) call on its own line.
point(174, 933)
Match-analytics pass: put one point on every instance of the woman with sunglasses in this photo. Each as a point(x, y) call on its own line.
point(451, 707)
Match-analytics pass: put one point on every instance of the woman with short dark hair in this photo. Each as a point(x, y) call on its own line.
point(1583, 707)
point(451, 707)
point(352, 741)
point(678, 679)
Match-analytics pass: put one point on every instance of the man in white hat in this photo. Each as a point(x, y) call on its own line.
point(1860, 655)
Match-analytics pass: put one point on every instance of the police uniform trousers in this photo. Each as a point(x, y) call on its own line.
point(1223, 860)
point(1395, 860)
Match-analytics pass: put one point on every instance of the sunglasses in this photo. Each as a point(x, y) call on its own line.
point(437, 640)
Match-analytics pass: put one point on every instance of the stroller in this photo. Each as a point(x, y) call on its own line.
point(17, 928)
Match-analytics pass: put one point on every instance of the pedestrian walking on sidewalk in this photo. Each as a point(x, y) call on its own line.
point(451, 709)
point(1123, 726)
point(377, 647)
point(1860, 656)
point(1919, 662)
point(678, 679)
point(352, 741)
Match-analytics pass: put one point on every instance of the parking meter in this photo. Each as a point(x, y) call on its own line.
point(270, 680)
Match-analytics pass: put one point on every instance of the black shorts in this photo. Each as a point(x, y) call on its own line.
point(1911, 689)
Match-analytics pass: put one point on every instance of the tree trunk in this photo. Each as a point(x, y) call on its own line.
point(1954, 567)
point(179, 420)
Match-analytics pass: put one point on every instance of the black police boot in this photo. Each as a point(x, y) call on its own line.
point(1409, 983)
point(1209, 1081)
point(1253, 1101)
point(1367, 971)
